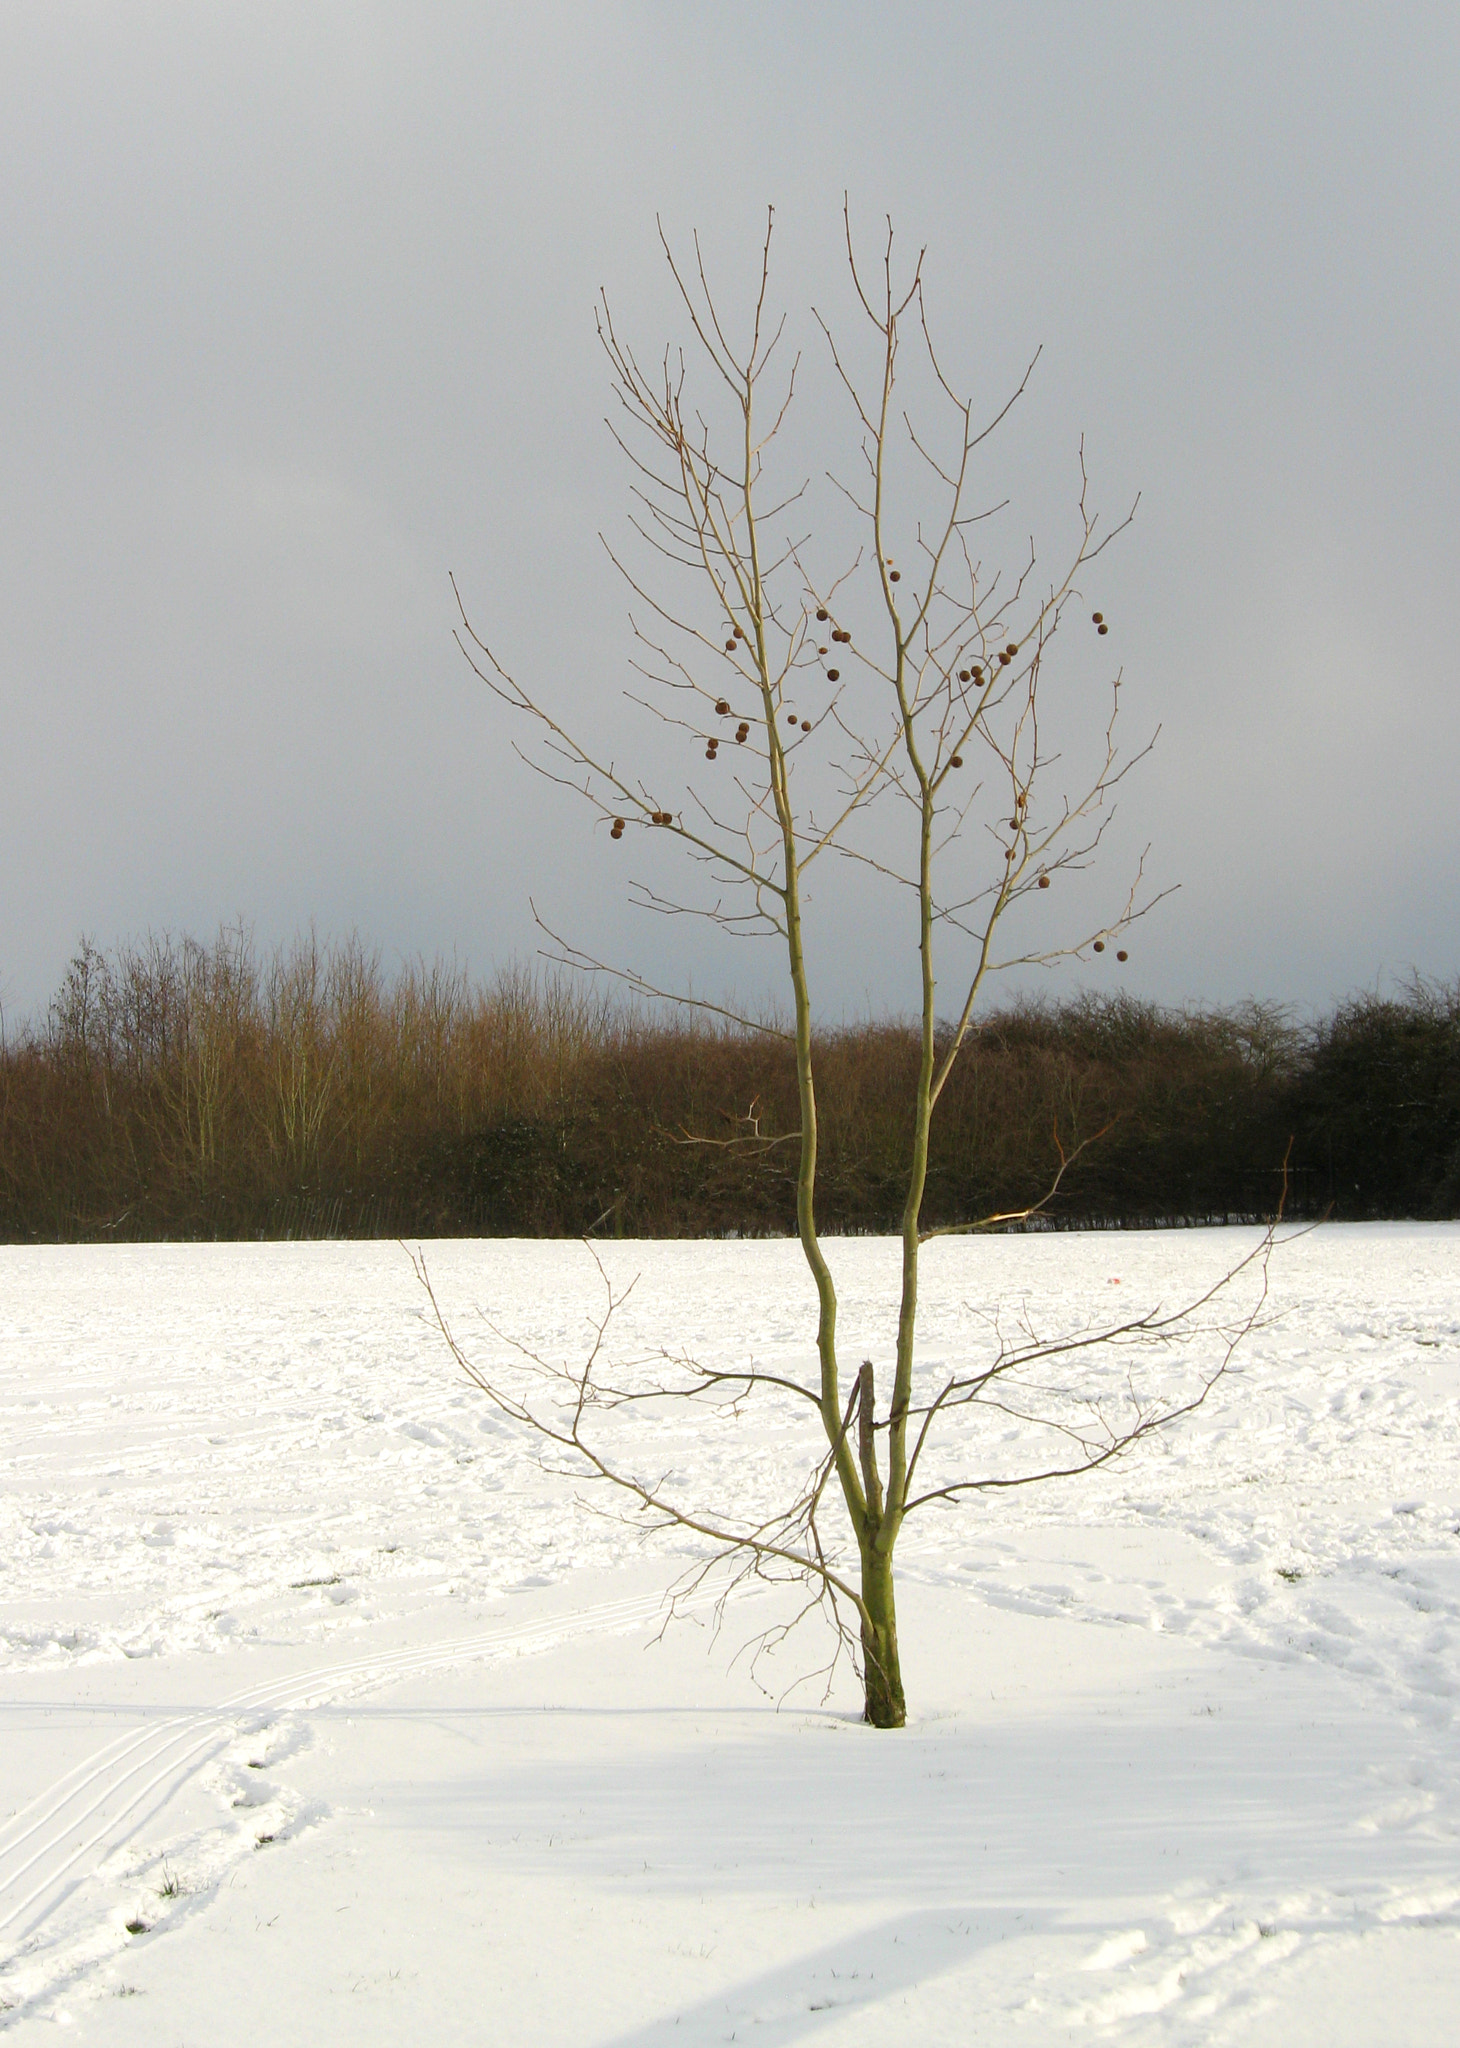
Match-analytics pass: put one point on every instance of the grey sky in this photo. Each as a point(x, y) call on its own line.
point(298, 317)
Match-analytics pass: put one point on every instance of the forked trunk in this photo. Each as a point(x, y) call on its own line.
point(881, 1670)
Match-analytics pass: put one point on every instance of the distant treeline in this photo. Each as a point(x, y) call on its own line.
point(183, 1091)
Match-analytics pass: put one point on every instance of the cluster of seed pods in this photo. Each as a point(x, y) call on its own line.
point(742, 729)
point(974, 673)
point(616, 830)
point(833, 675)
point(733, 645)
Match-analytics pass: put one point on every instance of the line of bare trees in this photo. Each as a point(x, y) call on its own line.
point(182, 1090)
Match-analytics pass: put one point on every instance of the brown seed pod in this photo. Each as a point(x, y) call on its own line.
point(1098, 947)
point(1005, 658)
point(709, 753)
point(618, 824)
point(729, 646)
point(1013, 824)
point(806, 725)
point(1122, 954)
point(978, 671)
point(793, 718)
point(955, 760)
point(1012, 649)
point(894, 575)
point(722, 705)
point(1098, 618)
point(833, 675)
point(1102, 629)
point(823, 613)
point(823, 650)
point(1008, 853)
point(1044, 881)
point(741, 736)
point(740, 632)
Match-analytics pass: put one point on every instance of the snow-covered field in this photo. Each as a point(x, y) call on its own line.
point(362, 1724)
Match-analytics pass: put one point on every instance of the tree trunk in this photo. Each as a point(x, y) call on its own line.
point(881, 1670)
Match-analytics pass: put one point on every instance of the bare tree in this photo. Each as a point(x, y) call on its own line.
point(890, 713)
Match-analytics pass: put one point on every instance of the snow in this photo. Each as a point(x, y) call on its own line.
point(370, 1727)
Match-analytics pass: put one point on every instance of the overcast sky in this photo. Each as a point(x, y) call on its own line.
point(297, 318)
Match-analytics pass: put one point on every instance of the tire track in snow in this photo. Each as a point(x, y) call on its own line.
point(104, 1798)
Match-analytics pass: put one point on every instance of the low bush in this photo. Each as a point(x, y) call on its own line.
point(181, 1090)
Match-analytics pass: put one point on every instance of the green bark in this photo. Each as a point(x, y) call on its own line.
point(884, 1705)
point(881, 1671)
